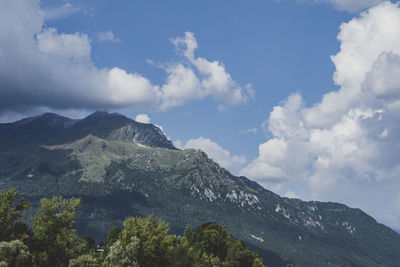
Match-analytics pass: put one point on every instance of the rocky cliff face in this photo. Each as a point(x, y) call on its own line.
point(145, 134)
point(123, 168)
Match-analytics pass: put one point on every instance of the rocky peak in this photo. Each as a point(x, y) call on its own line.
point(51, 128)
point(45, 121)
point(114, 126)
point(141, 133)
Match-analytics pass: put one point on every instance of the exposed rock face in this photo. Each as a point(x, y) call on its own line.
point(140, 133)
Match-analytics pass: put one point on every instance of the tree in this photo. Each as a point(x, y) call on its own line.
point(54, 231)
point(212, 238)
point(84, 260)
point(123, 254)
point(155, 245)
point(214, 246)
point(10, 211)
point(258, 263)
point(113, 235)
point(15, 254)
point(182, 254)
point(90, 243)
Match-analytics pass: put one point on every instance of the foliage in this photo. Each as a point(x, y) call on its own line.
point(123, 254)
point(54, 232)
point(40, 156)
point(154, 241)
point(88, 242)
point(215, 246)
point(11, 210)
point(145, 242)
point(113, 235)
point(141, 242)
point(15, 254)
point(84, 260)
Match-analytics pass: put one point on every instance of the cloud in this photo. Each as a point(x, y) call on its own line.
point(75, 47)
point(353, 5)
point(252, 130)
point(41, 67)
point(345, 5)
point(12, 116)
point(58, 12)
point(290, 194)
point(107, 37)
point(143, 118)
point(222, 156)
point(344, 148)
point(199, 78)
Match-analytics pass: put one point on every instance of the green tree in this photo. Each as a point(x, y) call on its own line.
point(89, 242)
point(15, 254)
point(83, 261)
point(258, 263)
point(182, 254)
point(212, 238)
point(54, 232)
point(155, 243)
point(11, 209)
point(123, 254)
point(214, 246)
point(113, 235)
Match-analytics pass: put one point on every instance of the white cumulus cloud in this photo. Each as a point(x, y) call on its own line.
point(143, 118)
point(43, 68)
point(344, 148)
point(200, 78)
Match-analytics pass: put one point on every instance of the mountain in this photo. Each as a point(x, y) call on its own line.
point(120, 168)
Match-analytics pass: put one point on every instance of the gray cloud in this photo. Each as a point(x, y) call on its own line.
point(41, 67)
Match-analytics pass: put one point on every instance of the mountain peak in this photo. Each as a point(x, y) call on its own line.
point(51, 128)
point(104, 113)
point(46, 121)
point(115, 126)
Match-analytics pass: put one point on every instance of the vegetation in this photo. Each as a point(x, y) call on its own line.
point(143, 242)
point(11, 210)
point(14, 253)
point(55, 237)
point(120, 168)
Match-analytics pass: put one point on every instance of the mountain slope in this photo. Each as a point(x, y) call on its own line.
point(122, 168)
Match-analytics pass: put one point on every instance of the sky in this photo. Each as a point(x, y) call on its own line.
point(301, 96)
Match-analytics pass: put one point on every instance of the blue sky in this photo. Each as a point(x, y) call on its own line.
point(301, 96)
point(279, 48)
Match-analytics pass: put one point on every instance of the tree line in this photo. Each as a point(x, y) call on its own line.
point(53, 240)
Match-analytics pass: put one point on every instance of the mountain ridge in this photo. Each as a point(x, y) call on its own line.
point(99, 123)
point(117, 176)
